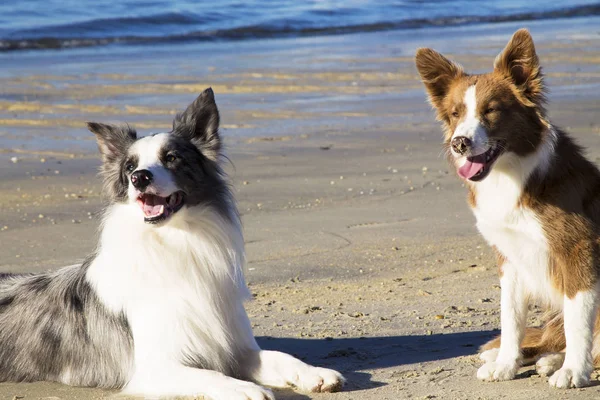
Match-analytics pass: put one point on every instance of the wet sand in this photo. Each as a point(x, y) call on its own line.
point(363, 254)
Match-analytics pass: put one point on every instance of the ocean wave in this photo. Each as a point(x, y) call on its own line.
point(98, 32)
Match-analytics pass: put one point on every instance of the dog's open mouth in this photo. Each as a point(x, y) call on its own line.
point(476, 168)
point(157, 209)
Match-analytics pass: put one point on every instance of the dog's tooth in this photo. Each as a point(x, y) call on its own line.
point(162, 209)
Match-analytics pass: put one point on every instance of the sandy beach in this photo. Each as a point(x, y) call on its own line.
point(363, 255)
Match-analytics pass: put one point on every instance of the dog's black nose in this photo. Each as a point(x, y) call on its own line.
point(461, 144)
point(141, 179)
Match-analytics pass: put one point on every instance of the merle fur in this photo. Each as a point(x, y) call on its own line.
point(114, 142)
point(53, 328)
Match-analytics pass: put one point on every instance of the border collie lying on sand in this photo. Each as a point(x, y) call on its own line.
point(157, 310)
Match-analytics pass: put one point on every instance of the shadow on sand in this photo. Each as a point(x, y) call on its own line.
point(351, 356)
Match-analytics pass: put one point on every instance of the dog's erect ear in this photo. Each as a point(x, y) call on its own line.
point(113, 140)
point(519, 62)
point(199, 123)
point(437, 73)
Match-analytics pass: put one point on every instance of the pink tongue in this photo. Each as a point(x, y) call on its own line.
point(152, 205)
point(472, 166)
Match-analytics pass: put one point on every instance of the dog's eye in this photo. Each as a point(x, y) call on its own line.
point(490, 110)
point(455, 114)
point(129, 167)
point(170, 157)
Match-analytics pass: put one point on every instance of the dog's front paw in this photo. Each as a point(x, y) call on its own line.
point(566, 378)
point(494, 371)
point(549, 363)
point(241, 390)
point(276, 369)
point(315, 379)
point(489, 355)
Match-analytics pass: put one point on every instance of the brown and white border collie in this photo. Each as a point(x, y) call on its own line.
point(537, 202)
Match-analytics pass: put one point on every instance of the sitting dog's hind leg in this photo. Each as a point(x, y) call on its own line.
point(549, 363)
point(537, 343)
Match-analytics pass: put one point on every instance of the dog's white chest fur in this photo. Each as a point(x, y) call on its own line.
point(180, 287)
point(514, 230)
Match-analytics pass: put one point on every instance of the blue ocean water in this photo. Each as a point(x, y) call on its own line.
point(43, 24)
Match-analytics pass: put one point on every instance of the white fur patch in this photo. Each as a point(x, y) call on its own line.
point(180, 286)
point(169, 281)
point(148, 150)
point(514, 230)
point(513, 315)
point(177, 380)
point(470, 126)
point(549, 363)
point(489, 355)
point(579, 316)
point(278, 369)
point(495, 371)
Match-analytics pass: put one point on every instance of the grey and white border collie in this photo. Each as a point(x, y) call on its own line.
point(157, 310)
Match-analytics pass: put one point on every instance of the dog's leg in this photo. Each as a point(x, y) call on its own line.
point(579, 318)
point(177, 380)
point(280, 370)
point(513, 314)
point(549, 363)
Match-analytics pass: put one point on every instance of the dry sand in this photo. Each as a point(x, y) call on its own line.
point(363, 255)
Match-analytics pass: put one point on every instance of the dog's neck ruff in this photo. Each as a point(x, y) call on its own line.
point(180, 285)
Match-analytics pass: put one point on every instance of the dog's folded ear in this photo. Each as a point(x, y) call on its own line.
point(437, 73)
point(113, 140)
point(519, 62)
point(199, 123)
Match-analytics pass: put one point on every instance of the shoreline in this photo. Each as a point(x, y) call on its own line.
point(265, 88)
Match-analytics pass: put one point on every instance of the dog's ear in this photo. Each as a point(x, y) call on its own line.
point(519, 62)
point(113, 140)
point(199, 123)
point(437, 73)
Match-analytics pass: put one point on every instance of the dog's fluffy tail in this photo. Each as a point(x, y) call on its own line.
point(550, 338)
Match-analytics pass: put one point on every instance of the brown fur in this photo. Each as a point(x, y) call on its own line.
point(519, 61)
point(550, 338)
point(500, 259)
point(566, 200)
point(438, 73)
